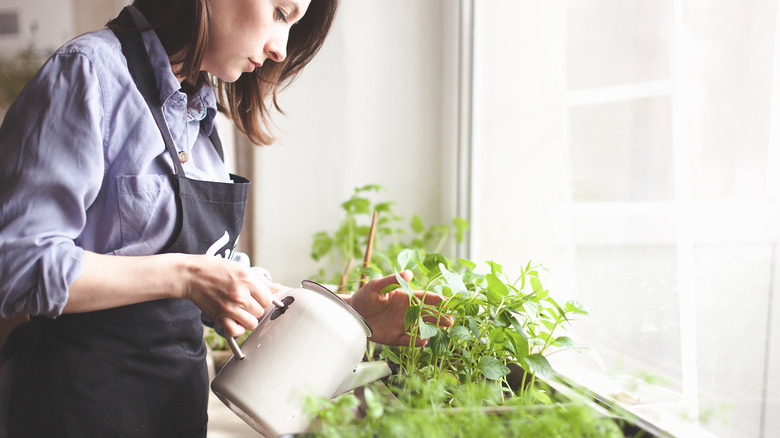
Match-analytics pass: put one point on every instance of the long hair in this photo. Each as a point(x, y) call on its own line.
point(183, 29)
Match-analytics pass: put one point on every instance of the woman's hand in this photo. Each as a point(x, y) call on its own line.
point(384, 313)
point(230, 292)
point(234, 295)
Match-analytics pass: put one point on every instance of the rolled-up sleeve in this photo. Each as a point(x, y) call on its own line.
point(52, 165)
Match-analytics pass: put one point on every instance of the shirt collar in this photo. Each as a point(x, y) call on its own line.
point(202, 105)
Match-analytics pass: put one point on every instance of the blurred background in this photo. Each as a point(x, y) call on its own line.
point(631, 147)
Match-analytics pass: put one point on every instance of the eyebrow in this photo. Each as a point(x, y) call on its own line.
point(295, 10)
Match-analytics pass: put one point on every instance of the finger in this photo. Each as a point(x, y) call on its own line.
point(244, 315)
point(440, 320)
point(419, 342)
point(265, 278)
point(230, 327)
point(262, 294)
point(246, 319)
point(434, 316)
point(380, 283)
point(431, 298)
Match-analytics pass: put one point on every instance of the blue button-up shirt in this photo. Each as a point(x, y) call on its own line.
point(83, 165)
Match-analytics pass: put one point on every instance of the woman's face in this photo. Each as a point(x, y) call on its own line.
point(243, 34)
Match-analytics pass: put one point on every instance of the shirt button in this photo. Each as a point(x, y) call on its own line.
point(183, 157)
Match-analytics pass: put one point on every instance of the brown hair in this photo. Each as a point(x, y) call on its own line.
point(182, 26)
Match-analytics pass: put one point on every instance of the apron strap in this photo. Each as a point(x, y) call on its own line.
point(143, 74)
point(217, 143)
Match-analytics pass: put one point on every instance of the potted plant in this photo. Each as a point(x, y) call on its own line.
point(488, 372)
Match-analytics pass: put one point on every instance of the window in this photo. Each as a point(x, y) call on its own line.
point(631, 148)
point(9, 23)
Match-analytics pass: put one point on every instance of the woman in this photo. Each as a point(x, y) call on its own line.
point(114, 202)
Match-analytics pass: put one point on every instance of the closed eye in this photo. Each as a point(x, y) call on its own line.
point(281, 15)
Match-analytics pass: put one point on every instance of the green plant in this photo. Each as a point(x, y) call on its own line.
point(338, 250)
point(486, 374)
point(421, 414)
point(496, 323)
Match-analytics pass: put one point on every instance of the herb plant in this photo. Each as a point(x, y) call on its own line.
point(341, 251)
point(490, 357)
point(422, 414)
point(497, 322)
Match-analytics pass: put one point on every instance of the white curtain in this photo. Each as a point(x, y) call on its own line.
point(631, 147)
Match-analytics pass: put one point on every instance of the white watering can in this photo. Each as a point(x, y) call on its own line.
point(311, 345)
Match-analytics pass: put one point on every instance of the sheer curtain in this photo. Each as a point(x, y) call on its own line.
point(631, 147)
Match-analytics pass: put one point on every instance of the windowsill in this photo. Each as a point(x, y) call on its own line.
point(659, 409)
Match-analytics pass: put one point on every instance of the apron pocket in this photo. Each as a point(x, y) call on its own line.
point(147, 213)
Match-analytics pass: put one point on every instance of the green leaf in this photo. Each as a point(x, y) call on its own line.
point(411, 317)
point(425, 271)
point(498, 338)
point(432, 262)
point(519, 342)
point(453, 281)
point(406, 258)
point(390, 355)
point(371, 271)
point(374, 402)
point(404, 285)
point(561, 312)
point(460, 332)
point(357, 205)
point(439, 342)
point(492, 368)
point(517, 325)
point(542, 397)
point(468, 264)
point(427, 330)
point(369, 188)
point(474, 326)
point(495, 268)
point(383, 207)
point(389, 288)
point(321, 245)
point(493, 293)
point(461, 227)
point(538, 364)
point(576, 307)
point(565, 341)
point(536, 285)
point(417, 224)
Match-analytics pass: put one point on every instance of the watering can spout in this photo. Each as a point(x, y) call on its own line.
point(364, 373)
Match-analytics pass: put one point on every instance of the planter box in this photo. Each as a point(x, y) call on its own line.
point(572, 402)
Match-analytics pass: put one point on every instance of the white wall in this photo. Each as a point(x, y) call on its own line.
point(47, 24)
point(43, 23)
point(373, 107)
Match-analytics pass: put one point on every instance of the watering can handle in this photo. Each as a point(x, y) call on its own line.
point(232, 341)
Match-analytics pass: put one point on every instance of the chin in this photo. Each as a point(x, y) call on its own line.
point(231, 78)
point(227, 76)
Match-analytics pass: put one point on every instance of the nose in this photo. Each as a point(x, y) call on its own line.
point(276, 46)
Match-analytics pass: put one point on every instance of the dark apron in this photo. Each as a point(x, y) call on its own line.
point(137, 370)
